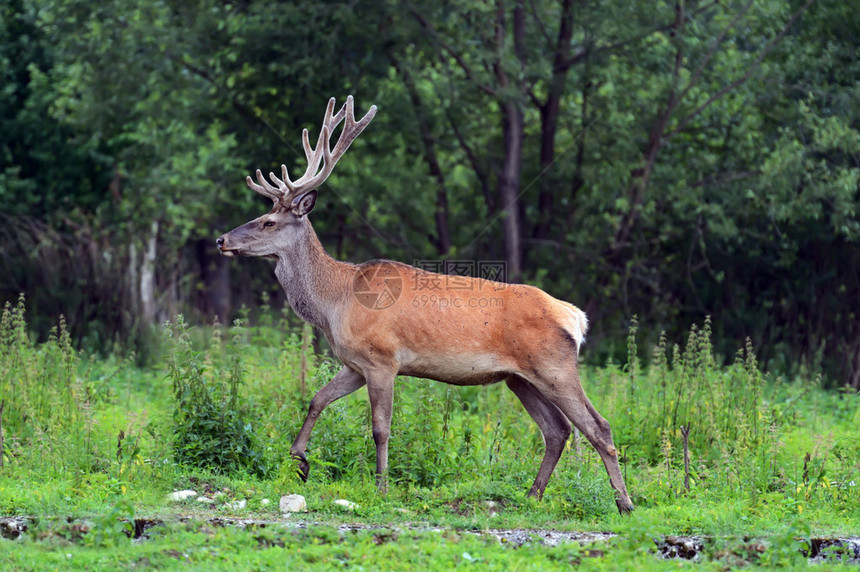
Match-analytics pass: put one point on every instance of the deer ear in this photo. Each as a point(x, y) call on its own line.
point(304, 204)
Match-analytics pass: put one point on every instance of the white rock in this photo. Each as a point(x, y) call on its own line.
point(205, 500)
point(265, 502)
point(346, 504)
point(179, 496)
point(490, 503)
point(237, 505)
point(293, 503)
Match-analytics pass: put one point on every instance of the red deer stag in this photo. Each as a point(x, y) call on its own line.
point(385, 319)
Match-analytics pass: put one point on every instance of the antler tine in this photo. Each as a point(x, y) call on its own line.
point(306, 145)
point(285, 185)
point(264, 188)
point(314, 155)
point(351, 128)
point(330, 119)
point(336, 119)
point(315, 174)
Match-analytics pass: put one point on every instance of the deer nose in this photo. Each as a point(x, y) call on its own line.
point(220, 242)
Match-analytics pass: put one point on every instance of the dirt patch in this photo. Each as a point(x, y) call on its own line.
point(844, 550)
point(823, 549)
point(142, 525)
point(520, 536)
point(684, 547)
point(13, 527)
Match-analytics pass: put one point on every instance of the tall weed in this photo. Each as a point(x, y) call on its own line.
point(741, 426)
point(48, 417)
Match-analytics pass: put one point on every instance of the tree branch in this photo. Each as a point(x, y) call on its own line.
point(427, 25)
point(480, 171)
point(741, 80)
point(719, 179)
point(579, 56)
point(697, 75)
point(442, 238)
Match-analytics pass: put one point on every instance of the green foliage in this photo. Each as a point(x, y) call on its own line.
point(682, 166)
point(773, 463)
point(749, 435)
point(61, 420)
point(43, 168)
point(47, 407)
point(112, 528)
point(212, 426)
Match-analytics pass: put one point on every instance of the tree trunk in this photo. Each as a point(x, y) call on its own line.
point(512, 129)
point(549, 112)
point(854, 370)
point(133, 280)
point(509, 185)
point(147, 278)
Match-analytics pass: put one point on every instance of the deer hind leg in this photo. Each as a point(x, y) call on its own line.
point(564, 390)
point(552, 423)
point(345, 382)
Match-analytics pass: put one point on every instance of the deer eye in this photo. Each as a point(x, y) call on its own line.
point(269, 223)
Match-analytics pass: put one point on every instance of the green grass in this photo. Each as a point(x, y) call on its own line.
point(205, 546)
point(202, 546)
point(101, 439)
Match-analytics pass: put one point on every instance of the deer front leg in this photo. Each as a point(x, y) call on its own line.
point(345, 382)
point(380, 388)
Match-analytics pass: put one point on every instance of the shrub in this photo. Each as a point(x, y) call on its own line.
point(211, 421)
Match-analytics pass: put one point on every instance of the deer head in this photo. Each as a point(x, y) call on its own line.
point(293, 200)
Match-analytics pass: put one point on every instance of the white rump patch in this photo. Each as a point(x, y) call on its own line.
point(577, 326)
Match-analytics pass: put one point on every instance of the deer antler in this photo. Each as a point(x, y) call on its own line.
point(284, 189)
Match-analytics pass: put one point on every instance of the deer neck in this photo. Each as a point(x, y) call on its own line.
point(317, 285)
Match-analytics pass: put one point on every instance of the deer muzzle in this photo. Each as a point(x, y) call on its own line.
point(223, 248)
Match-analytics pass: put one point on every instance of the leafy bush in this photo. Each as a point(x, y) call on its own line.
point(211, 423)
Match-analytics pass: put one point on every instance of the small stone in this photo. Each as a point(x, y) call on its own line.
point(293, 503)
point(205, 500)
point(490, 504)
point(237, 505)
point(346, 504)
point(179, 496)
point(265, 502)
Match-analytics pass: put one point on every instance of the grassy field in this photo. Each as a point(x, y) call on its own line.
point(98, 439)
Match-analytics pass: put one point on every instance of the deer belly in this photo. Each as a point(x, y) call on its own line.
point(454, 368)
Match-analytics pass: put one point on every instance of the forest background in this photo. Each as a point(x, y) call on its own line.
point(669, 160)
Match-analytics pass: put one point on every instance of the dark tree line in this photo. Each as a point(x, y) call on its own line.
point(668, 159)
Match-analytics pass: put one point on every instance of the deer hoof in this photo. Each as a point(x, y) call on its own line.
point(304, 468)
point(624, 506)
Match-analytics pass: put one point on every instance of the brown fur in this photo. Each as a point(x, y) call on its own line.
point(384, 318)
